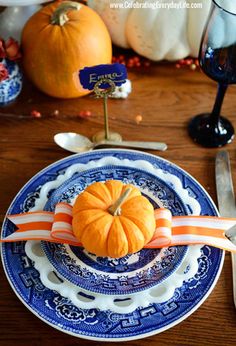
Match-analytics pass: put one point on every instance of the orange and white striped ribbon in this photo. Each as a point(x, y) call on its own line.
point(178, 230)
point(188, 230)
point(42, 225)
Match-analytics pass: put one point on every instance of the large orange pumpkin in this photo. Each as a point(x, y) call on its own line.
point(58, 41)
point(113, 219)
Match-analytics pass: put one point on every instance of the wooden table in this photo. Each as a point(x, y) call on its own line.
point(166, 97)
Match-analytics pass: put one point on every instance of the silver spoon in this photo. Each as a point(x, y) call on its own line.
point(77, 143)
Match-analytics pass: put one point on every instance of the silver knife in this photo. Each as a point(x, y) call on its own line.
point(226, 201)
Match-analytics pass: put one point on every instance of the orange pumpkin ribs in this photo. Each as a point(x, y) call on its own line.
point(113, 219)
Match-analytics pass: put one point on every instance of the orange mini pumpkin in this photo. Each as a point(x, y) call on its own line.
point(113, 219)
point(58, 41)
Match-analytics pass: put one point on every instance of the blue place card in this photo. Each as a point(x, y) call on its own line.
point(89, 76)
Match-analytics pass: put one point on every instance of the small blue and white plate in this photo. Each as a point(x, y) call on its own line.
point(160, 181)
point(132, 273)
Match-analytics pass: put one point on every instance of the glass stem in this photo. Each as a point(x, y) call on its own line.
point(215, 114)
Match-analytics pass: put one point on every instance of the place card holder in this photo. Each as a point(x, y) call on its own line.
point(103, 80)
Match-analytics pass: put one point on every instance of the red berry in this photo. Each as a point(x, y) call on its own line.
point(85, 114)
point(136, 58)
point(35, 114)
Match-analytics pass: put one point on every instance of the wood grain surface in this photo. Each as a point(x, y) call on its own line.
point(166, 98)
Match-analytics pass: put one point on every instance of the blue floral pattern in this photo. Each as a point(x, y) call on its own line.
point(11, 87)
point(83, 270)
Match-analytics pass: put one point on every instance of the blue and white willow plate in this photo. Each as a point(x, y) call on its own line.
point(102, 324)
point(132, 273)
point(92, 282)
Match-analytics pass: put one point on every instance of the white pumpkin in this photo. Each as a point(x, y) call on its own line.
point(159, 33)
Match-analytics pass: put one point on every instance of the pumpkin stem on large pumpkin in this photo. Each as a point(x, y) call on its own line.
point(59, 16)
point(115, 208)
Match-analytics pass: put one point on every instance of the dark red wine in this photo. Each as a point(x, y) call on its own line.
point(219, 64)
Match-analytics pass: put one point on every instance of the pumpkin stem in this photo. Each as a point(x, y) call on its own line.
point(115, 208)
point(59, 16)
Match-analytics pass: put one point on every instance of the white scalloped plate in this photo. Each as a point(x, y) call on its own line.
point(103, 324)
point(114, 286)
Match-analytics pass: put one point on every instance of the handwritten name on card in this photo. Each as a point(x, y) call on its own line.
point(89, 76)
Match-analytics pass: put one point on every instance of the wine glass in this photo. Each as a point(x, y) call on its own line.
point(217, 58)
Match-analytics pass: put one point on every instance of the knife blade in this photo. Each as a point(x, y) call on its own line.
point(226, 201)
